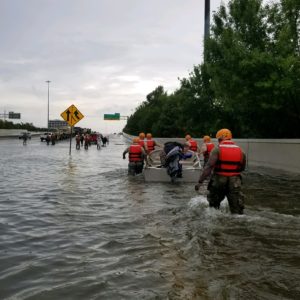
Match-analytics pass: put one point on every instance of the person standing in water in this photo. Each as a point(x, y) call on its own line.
point(150, 144)
point(86, 141)
point(206, 148)
point(137, 155)
point(77, 138)
point(193, 146)
point(226, 162)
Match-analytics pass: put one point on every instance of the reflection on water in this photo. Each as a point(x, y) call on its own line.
point(71, 167)
point(79, 228)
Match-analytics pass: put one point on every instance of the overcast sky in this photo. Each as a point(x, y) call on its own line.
point(103, 56)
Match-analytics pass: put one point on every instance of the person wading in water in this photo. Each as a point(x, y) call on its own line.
point(226, 162)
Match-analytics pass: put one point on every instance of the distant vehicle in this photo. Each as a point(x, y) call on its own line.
point(43, 137)
point(24, 135)
point(93, 138)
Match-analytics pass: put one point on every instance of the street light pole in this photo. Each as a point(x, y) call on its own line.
point(48, 81)
point(207, 19)
point(206, 24)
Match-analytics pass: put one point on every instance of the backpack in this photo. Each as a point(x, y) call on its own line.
point(168, 146)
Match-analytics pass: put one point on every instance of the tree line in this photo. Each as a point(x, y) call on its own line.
point(249, 80)
point(4, 124)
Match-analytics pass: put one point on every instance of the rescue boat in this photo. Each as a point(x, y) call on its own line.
point(155, 172)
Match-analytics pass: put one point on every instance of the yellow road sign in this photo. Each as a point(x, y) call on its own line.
point(72, 115)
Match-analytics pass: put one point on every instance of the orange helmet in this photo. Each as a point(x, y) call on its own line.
point(149, 136)
point(142, 135)
point(135, 140)
point(206, 139)
point(188, 137)
point(224, 134)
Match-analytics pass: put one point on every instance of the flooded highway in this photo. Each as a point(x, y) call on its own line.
point(79, 228)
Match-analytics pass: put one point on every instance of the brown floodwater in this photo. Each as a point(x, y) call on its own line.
point(79, 228)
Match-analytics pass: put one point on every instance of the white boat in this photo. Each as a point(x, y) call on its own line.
point(154, 172)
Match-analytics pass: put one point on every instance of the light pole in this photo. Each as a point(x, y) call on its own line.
point(48, 81)
point(206, 24)
point(207, 19)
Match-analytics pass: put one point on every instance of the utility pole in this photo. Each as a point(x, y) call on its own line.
point(207, 19)
point(206, 24)
point(48, 81)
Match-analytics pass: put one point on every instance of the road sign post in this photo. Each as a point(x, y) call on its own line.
point(71, 140)
point(72, 115)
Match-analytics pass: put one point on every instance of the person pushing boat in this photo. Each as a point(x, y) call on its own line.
point(137, 156)
point(226, 162)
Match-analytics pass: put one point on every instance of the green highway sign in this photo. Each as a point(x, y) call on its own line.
point(12, 115)
point(112, 117)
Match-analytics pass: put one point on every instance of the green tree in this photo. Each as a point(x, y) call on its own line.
point(252, 74)
point(250, 79)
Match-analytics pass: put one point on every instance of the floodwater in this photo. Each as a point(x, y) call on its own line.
point(79, 228)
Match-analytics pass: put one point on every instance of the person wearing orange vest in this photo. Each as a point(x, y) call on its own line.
point(206, 148)
point(226, 162)
point(77, 138)
point(191, 143)
point(137, 155)
point(150, 144)
point(142, 139)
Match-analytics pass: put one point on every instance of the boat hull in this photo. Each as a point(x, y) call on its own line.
point(154, 174)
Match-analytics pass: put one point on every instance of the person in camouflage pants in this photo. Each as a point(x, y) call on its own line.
point(226, 161)
point(221, 186)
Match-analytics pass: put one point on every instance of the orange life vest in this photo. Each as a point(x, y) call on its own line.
point(230, 159)
point(209, 147)
point(141, 143)
point(150, 146)
point(193, 145)
point(135, 153)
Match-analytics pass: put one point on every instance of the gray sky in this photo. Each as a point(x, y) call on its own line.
point(103, 56)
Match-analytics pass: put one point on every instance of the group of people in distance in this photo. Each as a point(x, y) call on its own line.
point(51, 137)
point(85, 140)
point(223, 165)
